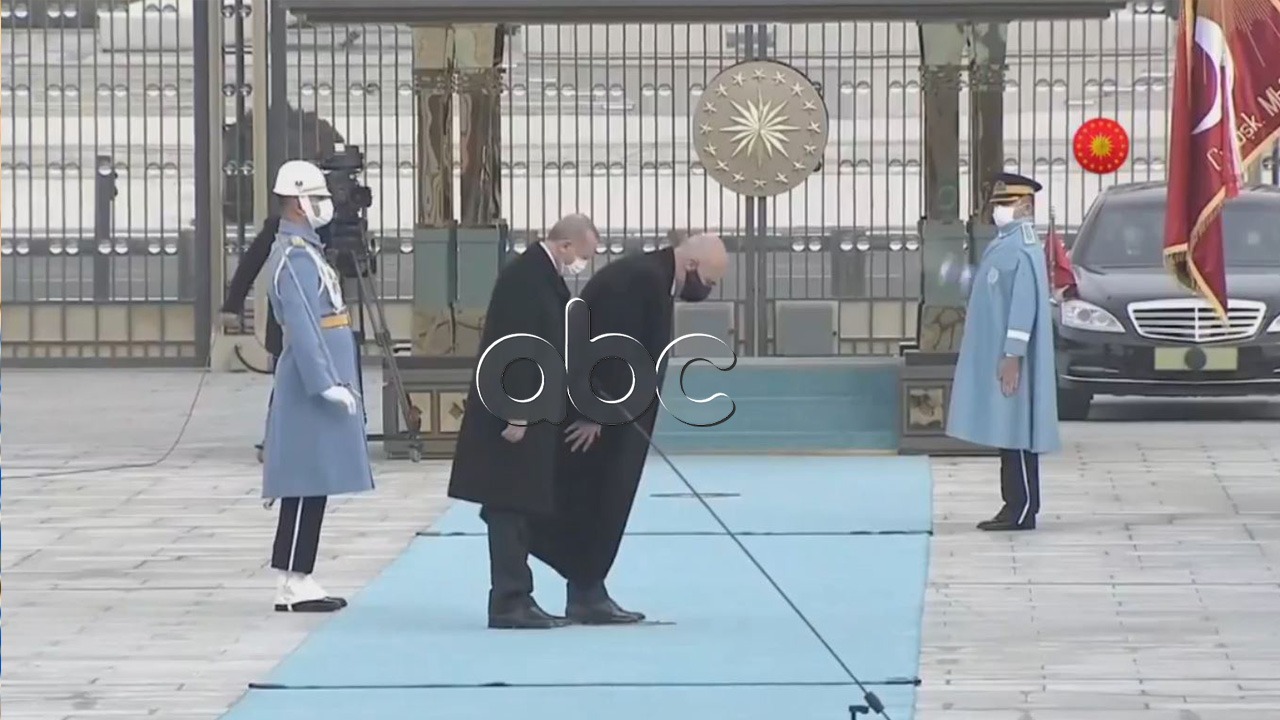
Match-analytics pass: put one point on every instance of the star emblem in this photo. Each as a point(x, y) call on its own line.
point(760, 128)
point(765, 131)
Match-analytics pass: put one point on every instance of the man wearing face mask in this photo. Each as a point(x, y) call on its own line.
point(508, 468)
point(599, 468)
point(1005, 390)
point(315, 442)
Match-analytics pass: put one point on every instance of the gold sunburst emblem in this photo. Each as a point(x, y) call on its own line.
point(760, 128)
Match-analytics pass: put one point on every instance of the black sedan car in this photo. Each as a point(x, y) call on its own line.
point(1131, 329)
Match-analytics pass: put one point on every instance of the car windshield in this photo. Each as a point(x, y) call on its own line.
point(1134, 237)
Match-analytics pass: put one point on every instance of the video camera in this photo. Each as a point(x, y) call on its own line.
point(349, 246)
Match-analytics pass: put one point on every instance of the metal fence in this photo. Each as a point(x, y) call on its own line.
point(595, 119)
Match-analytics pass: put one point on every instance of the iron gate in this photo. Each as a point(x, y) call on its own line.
point(594, 119)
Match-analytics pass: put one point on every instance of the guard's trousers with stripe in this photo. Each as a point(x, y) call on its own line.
point(298, 534)
point(1020, 484)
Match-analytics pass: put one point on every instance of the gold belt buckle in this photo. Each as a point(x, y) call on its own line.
point(337, 320)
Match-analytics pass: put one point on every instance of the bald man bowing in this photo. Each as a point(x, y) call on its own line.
point(598, 469)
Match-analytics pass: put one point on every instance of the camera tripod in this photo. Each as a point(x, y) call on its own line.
point(367, 297)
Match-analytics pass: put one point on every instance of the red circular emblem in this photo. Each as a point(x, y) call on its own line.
point(1101, 146)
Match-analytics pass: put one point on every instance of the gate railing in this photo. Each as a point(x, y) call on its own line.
point(595, 119)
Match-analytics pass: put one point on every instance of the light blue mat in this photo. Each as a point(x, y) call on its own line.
point(413, 645)
point(422, 621)
point(769, 495)
point(742, 703)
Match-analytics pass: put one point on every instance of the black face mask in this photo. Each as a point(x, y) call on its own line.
point(694, 290)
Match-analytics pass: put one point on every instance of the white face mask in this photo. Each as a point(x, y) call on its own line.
point(1003, 215)
point(319, 211)
point(575, 267)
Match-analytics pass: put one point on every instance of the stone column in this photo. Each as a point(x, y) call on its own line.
point(433, 103)
point(987, 44)
point(929, 366)
point(478, 55)
point(942, 56)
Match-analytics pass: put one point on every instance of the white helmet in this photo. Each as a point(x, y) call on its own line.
point(299, 178)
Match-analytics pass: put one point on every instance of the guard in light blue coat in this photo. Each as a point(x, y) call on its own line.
point(1005, 390)
point(315, 441)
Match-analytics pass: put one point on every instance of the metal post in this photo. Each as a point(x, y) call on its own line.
point(278, 98)
point(104, 193)
point(207, 263)
point(753, 318)
point(1275, 164)
point(261, 45)
point(761, 336)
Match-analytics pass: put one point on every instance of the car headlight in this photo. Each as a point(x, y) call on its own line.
point(1081, 315)
point(1275, 325)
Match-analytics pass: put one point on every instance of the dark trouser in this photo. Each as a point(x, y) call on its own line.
point(1020, 484)
point(511, 581)
point(298, 534)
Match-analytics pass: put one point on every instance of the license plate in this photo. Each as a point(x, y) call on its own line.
point(1195, 359)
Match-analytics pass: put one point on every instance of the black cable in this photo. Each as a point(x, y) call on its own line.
point(873, 703)
point(182, 431)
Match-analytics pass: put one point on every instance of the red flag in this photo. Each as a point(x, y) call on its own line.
point(1226, 114)
point(1064, 277)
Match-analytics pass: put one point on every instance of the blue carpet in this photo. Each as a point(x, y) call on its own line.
point(770, 494)
point(591, 703)
point(413, 643)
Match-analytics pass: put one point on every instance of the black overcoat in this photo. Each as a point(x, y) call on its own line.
point(596, 488)
point(528, 297)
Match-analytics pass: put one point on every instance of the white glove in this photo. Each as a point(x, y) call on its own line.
point(339, 395)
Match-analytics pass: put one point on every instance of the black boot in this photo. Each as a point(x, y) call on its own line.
point(1007, 523)
point(590, 604)
point(521, 613)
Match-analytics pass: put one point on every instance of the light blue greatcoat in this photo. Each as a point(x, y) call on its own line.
point(1008, 314)
point(313, 446)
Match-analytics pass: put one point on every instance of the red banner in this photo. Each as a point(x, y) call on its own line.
point(1062, 275)
point(1226, 114)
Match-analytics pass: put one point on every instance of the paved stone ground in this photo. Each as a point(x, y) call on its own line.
point(1152, 591)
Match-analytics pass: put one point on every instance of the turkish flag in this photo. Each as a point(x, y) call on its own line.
point(1226, 114)
point(1064, 277)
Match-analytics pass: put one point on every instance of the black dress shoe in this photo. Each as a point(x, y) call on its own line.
point(999, 524)
point(527, 616)
point(601, 612)
point(322, 605)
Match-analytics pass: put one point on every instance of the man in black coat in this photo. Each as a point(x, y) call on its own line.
point(251, 262)
point(598, 468)
point(508, 468)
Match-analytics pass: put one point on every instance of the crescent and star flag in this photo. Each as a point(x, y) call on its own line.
point(1101, 146)
point(1226, 114)
point(1063, 276)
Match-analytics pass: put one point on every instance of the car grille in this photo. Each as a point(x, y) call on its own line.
point(1194, 321)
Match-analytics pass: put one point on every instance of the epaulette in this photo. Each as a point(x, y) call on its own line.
point(1029, 235)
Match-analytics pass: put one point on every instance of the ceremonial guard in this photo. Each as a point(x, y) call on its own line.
point(1005, 390)
point(315, 439)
